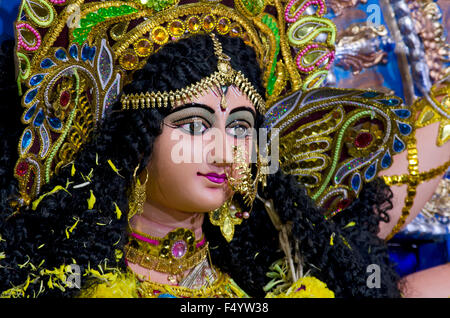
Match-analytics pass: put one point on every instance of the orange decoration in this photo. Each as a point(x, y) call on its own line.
point(129, 60)
point(160, 35)
point(194, 24)
point(223, 25)
point(176, 28)
point(235, 31)
point(143, 48)
point(209, 23)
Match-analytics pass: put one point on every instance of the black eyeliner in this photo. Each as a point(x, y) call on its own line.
point(189, 117)
point(238, 120)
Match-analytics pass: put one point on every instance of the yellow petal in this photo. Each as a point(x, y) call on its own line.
point(345, 242)
point(91, 201)
point(350, 224)
point(118, 212)
point(27, 283)
point(72, 227)
point(114, 167)
point(55, 189)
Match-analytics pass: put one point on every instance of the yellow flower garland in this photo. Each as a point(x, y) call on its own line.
point(305, 287)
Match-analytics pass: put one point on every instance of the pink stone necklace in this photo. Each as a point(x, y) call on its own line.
point(176, 252)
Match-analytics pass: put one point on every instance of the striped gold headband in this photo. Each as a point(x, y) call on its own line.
point(224, 76)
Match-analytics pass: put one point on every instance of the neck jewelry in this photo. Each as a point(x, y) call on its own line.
point(173, 254)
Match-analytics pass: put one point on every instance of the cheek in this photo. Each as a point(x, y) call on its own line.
point(175, 182)
point(171, 167)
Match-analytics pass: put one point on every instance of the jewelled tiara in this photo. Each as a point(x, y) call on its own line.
point(224, 76)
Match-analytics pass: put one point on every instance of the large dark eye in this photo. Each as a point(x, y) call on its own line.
point(195, 127)
point(239, 130)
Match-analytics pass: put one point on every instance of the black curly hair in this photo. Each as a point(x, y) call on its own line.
point(40, 238)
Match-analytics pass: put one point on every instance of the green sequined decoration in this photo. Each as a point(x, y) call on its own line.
point(92, 19)
point(272, 24)
point(157, 5)
point(253, 6)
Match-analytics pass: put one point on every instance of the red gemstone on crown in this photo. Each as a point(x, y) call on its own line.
point(64, 98)
point(343, 204)
point(363, 139)
point(22, 169)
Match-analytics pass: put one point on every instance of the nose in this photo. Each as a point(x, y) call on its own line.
point(219, 149)
point(226, 151)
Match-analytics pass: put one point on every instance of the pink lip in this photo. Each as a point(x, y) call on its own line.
point(214, 177)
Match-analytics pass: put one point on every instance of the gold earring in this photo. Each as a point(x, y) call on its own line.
point(230, 213)
point(227, 216)
point(138, 195)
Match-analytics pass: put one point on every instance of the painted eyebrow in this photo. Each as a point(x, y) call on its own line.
point(244, 108)
point(203, 106)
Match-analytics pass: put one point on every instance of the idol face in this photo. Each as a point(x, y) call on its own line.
point(196, 151)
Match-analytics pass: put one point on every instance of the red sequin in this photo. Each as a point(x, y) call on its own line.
point(343, 204)
point(363, 139)
point(22, 169)
point(64, 98)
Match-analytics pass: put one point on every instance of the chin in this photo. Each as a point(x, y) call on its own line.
point(205, 198)
point(211, 202)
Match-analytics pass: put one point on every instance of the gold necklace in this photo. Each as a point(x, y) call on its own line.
point(222, 287)
point(174, 254)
